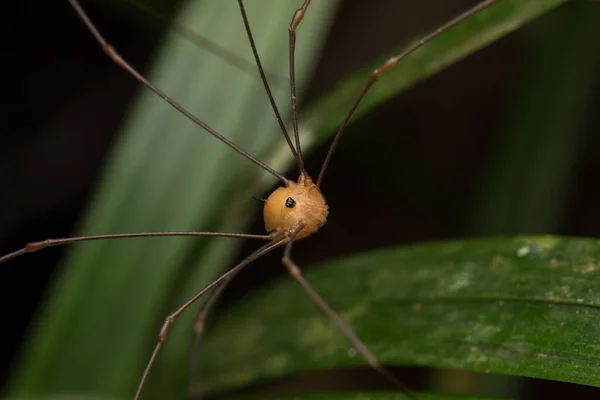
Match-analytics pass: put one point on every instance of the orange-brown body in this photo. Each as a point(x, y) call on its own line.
point(298, 203)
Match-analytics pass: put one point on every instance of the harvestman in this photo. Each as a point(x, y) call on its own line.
point(292, 212)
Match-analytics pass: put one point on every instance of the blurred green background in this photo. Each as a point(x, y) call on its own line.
point(504, 142)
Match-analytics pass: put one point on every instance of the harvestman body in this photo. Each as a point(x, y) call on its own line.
point(292, 212)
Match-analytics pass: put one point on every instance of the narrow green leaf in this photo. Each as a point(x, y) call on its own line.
point(523, 306)
point(99, 325)
point(504, 17)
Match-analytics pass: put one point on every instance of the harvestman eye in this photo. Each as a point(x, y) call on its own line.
point(290, 203)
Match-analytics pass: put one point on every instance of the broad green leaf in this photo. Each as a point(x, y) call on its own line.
point(524, 306)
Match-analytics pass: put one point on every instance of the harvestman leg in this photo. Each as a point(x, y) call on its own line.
point(296, 19)
point(213, 289)
point(358, 344)
point(121, 62)
point(37, 246)
point(198, 328)
point(388, 65)
point(171, 318)
point(296, 152)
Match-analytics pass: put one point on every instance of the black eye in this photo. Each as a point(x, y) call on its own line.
point(290, 203)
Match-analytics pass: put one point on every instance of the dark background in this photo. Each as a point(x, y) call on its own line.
point(435, 144)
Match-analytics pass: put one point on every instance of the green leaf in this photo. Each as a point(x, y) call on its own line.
point(524, 306)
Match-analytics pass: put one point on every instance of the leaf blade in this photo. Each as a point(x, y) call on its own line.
point(519, 306)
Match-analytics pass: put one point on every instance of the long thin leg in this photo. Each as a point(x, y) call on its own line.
point(391, 63)
point(37, 246)
point(199, 325)
point(171, 318)
point(116, 57)
point(358, 344)
point(284, 131)
point(296, 19)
